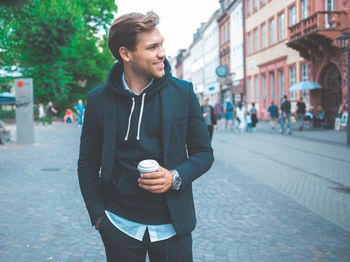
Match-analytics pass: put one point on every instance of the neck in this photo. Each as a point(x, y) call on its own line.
point(135, 82)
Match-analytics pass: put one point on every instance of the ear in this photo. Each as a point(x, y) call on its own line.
point(124, 53)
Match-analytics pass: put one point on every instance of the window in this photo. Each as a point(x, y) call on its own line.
point(281, 27)
point(304, 72)
point(263, 87)
point(281, 83)
point(263, 36)
point(329, 7)
point(292, 16)
point(255, 5)
point(262, 2)
point(257, 93)
point(272, 31)
point(303, 9)
point(249, 7)
point(250, 95)
point(292, 81)
point(272, 85)
point(249, 43)
point(256, 40)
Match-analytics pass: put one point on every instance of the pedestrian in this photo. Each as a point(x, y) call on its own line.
point(249, 120)
point(285, 115)
point(80, 111)
point(301, 110)
point(209, 116)
point(229, 114)
point(241, 113)
point(68, 117)
point(254, 115)
point(219, 112)
point(142, 112)
point(273, 111)
point(50, 111)
point(41, 114)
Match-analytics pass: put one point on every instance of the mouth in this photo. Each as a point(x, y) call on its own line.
point(160, 65)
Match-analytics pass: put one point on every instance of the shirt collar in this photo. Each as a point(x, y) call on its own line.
point(128, 89)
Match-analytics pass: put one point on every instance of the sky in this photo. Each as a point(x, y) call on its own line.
point(179, 19)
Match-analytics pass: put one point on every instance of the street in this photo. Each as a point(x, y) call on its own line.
point(268, 197)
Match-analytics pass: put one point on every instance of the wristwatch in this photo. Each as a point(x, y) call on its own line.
point(176, 180)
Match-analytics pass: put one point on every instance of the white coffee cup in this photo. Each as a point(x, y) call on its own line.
point(148, 166)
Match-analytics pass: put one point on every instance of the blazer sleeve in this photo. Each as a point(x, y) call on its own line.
point(89, 162)
point(199, 149)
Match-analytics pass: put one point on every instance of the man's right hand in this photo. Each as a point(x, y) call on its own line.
point(98, 223)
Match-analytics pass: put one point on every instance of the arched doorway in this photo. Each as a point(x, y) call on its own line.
point(331, 93)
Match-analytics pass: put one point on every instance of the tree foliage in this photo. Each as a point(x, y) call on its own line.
point(61, 44)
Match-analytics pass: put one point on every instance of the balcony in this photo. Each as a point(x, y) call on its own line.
point(314, 35)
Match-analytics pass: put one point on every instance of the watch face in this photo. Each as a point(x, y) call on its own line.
point(221, 71)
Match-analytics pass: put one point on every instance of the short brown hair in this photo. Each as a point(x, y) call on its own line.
point(125, 28)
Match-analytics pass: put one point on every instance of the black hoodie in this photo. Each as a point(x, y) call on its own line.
point(138, 138)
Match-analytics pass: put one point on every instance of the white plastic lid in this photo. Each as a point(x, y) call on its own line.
point(147, 166)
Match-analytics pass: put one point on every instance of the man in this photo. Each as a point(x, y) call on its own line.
point(285, 113)
point(273, 110)
point(301, 113)
point(50, 110)
point(80, 110)
point(209, 117)
point(219, 111)
point(229, 114)
point(142, 112)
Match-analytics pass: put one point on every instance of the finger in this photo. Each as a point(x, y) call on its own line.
point(152, 188)
point(157, 181)
point(153, 175)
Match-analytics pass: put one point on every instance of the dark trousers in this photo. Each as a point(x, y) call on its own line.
point(123, 248)
point(210, 129)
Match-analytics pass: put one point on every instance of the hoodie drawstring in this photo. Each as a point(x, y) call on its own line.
point(131, 111)
point(140, 118)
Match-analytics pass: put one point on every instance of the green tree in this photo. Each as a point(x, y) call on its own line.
point(57, 43)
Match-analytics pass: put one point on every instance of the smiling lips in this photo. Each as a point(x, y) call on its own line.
point(160, 65)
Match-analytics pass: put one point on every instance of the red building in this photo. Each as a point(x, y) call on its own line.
point(320, 22)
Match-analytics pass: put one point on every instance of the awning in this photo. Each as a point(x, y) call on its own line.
point(7, 98)
point(304, 86)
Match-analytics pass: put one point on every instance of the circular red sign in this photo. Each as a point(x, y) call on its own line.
point(20, 84)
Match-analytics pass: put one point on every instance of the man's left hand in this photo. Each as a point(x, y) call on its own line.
point(156, 182)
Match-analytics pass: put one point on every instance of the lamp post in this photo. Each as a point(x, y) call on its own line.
point(343, 42)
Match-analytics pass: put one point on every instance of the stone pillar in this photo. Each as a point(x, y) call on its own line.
point(24, 110)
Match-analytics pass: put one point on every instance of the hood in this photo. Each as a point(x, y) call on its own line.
point(114, 81)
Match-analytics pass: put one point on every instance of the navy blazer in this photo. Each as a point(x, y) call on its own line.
point(185, 147)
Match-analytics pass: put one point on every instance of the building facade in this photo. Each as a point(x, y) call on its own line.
point(271, 66)
point(313, 35)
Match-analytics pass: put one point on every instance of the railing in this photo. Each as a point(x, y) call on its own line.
point(325, 20)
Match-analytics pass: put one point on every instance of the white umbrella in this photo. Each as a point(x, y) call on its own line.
point(304, 86)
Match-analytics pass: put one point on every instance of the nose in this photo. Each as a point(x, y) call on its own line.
point(161, 53)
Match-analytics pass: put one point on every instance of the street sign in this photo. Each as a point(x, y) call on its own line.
point(24, 110)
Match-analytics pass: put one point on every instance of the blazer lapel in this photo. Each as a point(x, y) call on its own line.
point(109, 134)
point(166, 112)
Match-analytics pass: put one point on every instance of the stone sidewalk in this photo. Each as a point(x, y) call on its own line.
point(251, 206)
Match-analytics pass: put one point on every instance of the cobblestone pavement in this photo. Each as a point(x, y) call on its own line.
point(268, 197)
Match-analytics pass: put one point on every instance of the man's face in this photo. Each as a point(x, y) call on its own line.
point(148, 58)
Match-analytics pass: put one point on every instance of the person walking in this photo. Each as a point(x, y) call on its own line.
point(80, 111)
point(273, 111)
point(50, 111)
point(41, 114)
point(301, 110)
point(285, 115)
point(142, 112)
point(209, 117)
point(254, 115)
point(229, 114)
point(219, 112)
point(241, 117)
